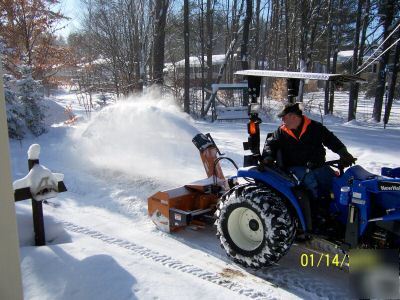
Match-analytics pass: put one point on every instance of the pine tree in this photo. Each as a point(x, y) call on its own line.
point(14, 110)
point(30, 96)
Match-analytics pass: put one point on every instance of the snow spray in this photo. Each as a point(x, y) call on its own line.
point(146, 137)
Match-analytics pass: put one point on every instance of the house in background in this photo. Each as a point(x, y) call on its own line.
point(345, 58)
point(176, 71)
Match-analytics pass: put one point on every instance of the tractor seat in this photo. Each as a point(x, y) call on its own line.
point(359, 173)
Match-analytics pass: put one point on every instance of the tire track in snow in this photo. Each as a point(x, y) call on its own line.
point(171, 262)
point(286, 277)
point(317, 283)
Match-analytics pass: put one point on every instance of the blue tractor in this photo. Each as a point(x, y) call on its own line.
point(257, 221)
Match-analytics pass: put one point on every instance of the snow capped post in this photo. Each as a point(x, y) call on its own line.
point(39, 184)
point(33, 152)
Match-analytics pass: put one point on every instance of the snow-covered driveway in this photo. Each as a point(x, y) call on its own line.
point(101, 244)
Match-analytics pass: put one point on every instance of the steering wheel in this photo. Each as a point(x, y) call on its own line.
point(337, 163)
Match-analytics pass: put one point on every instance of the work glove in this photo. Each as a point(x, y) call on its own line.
point(346, 159)
point(265, 162)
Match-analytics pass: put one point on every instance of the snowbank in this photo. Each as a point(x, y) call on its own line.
point(54, 231)
point(54, 112)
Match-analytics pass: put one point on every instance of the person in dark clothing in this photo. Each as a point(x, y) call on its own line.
point(299, 145)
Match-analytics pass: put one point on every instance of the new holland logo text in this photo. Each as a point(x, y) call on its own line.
point(388, 186)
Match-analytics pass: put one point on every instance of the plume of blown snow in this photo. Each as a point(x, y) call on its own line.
point(146, 137)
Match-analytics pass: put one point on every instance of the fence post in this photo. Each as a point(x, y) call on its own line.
point(37, 213)
point(42, 190)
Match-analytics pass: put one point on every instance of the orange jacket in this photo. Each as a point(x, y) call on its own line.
point(308, 148)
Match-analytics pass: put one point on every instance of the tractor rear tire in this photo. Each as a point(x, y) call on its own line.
point(254, 226)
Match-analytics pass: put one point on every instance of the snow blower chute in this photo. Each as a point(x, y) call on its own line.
point(175, 208)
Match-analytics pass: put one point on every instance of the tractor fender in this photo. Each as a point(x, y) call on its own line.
point(282, 184)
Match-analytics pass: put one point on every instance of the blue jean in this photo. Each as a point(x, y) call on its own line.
point(318, 181)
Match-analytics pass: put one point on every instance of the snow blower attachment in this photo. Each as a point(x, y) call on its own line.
point(188, 204)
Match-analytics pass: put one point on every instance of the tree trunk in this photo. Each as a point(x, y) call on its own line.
point(392, 84)
point(160, 17)
point(138, 59)
point(233, 29)
point(388, 9)
point(338, 41)
point(304, 31)
point(149, 43)
point(257, 35)
point(274, 34)
point(202, 46)
point(186, 100)
point(264, 45)
point(209, 45)
point(354, 64)
point(287, 47)
point(332, 84)
point(328, 57)
point(244, 55)
point(365, 23)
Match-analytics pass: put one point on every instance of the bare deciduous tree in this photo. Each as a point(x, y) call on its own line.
point(160, 17)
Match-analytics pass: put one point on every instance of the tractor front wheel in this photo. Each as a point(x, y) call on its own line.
point(254, 226)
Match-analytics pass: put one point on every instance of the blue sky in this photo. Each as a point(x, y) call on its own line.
point(72, 9)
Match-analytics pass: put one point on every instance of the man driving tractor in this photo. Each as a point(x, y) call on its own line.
point(298, 147)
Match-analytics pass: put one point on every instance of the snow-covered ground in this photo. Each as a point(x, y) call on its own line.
point(102, 245)
point(365, 107)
